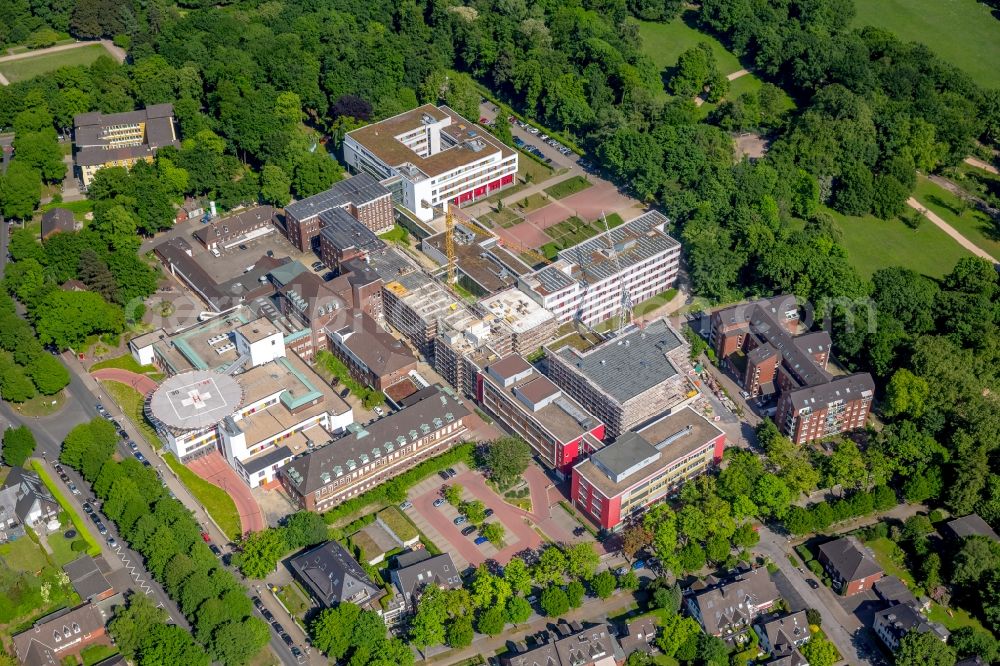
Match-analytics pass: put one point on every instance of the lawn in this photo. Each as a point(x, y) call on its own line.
point(884, 550)
point(19, 70)
point(78, 524)
point(42, 405)
point(127, 362)
point(974, 224)
point(959, 617)
point(653, 302)
point(963, 32)
point(215, 500)
point(295, 600)
point(78, 208)
point(94, 654)
point(567, 187)
point(398, 523)
point(664, 42)
point(505, 218)
point(532, 202)
point(31, 585)
point(397, 234)
point(872, 244)
point(530, 171)
point(131, 403)
point(62, 548)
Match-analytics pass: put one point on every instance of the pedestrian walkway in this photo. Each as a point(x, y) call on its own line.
point(950, 230)
point(979, 164)
point(140, 383)
point(214, 469)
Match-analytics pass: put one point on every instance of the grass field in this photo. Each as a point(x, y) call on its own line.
point(95, 654)
point(567, 187)
point(963, 32)
point(131, 403)
point(397, 234)
point(884, 549)
point(57, 492)
point(532, 202)
point(505, 218)
point(19, 70)
point(974, 224)
point(872, 244)
point(127, 362)
point(78, 208)
point(569, 233)
point(664, 42)
point(215, 500)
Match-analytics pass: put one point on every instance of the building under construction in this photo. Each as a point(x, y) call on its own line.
point(629, 379)
point(531, 325)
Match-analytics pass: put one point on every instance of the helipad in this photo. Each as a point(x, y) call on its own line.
point(196, 399)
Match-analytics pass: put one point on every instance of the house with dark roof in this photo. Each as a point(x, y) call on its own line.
point(121, 139)
point(895, 622)
point(333, 576)
point(638, 636)
point(971, 525)
point(361, 196)
point(419, 570)
point(728, 609)
point(850, 564)
point(372, 355)
point(54, 637)
point(569, 644)
point(58, 220)
point(226, 232)
point(87, 579)
point(783, 636)
point(24, 497)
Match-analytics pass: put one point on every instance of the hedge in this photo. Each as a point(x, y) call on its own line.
point(804, 552)
point(93, 549)
point(394, 488)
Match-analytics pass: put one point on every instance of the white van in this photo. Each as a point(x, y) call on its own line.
point(215, 252)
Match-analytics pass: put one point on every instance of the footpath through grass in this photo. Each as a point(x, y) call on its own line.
point(963, 32)
point(972, 223)
point(216, 501)
point(26, 68)
point(131, 403)
point(872, 244)
point(93, 549)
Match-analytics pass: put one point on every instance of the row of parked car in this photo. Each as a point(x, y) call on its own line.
point(300, 657)
point(543, 137)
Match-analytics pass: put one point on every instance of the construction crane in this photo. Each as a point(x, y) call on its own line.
point(449, 244)
point(626, 299)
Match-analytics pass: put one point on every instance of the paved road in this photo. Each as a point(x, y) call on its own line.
point(853, 641)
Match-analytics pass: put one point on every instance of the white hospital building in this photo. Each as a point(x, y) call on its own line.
point(431, 157)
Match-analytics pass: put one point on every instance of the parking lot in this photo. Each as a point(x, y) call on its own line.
point(437, 523)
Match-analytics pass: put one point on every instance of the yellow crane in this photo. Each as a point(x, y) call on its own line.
point(449, 244)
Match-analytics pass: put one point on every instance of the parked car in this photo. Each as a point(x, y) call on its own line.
point(812, 583)
point(316, 265)
point(72, 488)
point(379, 411)
point(329, 276)
point(621, 571)
point(444, 475)
point(277, 627)
point(215, 550)
point(459, 521)
point(139, 456)
point(102, 529)
point(146, 463)
point(257, 603)
point(267, 615)
point(638, 564)
point(64, 477)
point(288, 640)
point(114, 422)
point(745, 395)
point(480, 540)
point(97, 519)
point(483, 120)
point(111, 542)
point(206, 537)
point(100, 408)
point(468, 530)
point(488, 513)
point(532, 130)
point(88, 509)
point(123, 434)
point(438, 502)
point(451, 472)
point(299, 657)
point(242, 246)
point(132, 445)
point(58, 468)
point(406, 505)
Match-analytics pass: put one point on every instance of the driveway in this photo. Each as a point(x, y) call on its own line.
point(214, 469)
point(854, 641)
point(140, 383)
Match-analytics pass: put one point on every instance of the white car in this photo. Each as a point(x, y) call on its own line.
point(380, 411)
point(745, 395)
point(532, 130)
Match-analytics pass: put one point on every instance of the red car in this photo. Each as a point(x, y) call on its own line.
point(205, 537)
point(483, 120)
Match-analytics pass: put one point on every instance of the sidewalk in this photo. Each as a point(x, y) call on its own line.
point(950, 230)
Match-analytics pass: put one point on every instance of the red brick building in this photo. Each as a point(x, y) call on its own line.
point(363, 197)
point(645, 466)
point(771, 352)
point(557, 427)
point(851, 565)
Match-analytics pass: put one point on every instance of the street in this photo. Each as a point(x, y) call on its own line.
point(855, 646)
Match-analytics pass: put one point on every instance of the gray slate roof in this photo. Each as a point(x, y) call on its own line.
point(438, 570)
point(86, 578)
point(851, 560)
point(972, 525)
point(333, 576)
point(357, 190)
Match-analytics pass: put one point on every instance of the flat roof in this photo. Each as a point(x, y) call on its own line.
point(628, 365)
point(257, 330)
point(564, 417)
point(356, 191)
point(606, 254)
point(474, 257)
point(344, 231)
point(521, 313)
point(234, 225)
point(673, 437)
point(470, 143)
point(196, 399)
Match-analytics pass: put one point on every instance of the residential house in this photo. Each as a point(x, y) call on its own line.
point(87, 579)
point(58, 220)
point(971, 525)
point(570, 644)
point(417, 569)
point(728, 609)
point(638, 636)
point(895, 622)
point(56, 636)
point(333, 577)
point(851, 565)
point(783, 636)
point(24, 494)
